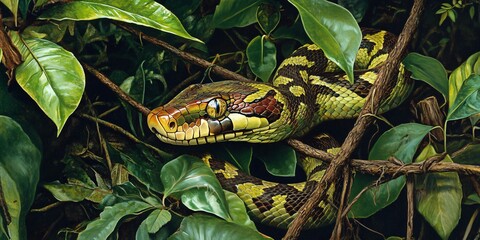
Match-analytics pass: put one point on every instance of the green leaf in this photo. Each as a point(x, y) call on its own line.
point(469, 154)
point(239, 154)
point(103, 226)
point(157, 219)
point(262, 57)
point(52, 77)
point(268, 17)
point(438, 196)
point(194, 182)
point(429, 70)
point(146, 13)
point(199, 226)
point(76, 192)
point(237, 210)
point(229, 14)
point(467, 101)
point(401, 142)
point(19, 174)
point(295, 32)
point(12, 5)
point(358, 8)
point(279, 158)
point(460, 74)
point(333, 29)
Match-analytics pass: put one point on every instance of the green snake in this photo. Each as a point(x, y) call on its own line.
point(306, 90)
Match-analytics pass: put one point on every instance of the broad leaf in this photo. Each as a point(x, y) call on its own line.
point(401, 142)
point(460, 74)
point(199, 226)
point(333, 29)
point(438, 196)
point(279, 158)
point(469, 154)
point(146, 13)
point(239, 154)
point(51, 75)
point(190, 179)
point(229, 14)
point(19, 174)
point(429, 70)
point(467, 101)
point(262, 57)
point(237, 210)
point(103, 226)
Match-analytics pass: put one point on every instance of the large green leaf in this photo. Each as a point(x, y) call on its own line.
point(237, 210)
point(429, 70)
point(103, 226)
point(460, 74)
point(157, 219)
point(194, 182)
point(76, 192)
point(19, 174)
point(230, 13)
point(401, 142)
point(279, 158)
point(467, 101)
point(140, 12)
point(51, 75)
point(333, 29)
point(201, 226)
point(438, 196)
point(262, 57)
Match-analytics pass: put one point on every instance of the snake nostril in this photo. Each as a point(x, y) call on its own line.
point(172, 125)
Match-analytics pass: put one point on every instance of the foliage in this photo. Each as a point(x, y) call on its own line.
point(128, 178)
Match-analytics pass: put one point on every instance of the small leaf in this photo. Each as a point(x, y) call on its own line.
point(75, 192)
point(52, 77)
point(439, 196)
point(102, 227)
point(229, 14)
point(199, 226)
point(279, 158)
point(146, 13)
point(452, 14)
point(469, 154)
point(471, 11)
point(157, 219)
point(262, 57)
point(237, 210)
point(12, 5)
point(189, 178)
point(401, 142)
point(19, 173)
point(429, 70)
point(443, 17)
point(333, 29)
point(467, 101)
point(268, 17)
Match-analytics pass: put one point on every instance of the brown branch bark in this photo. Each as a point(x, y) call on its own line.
point(186, 56)
point(121, 94)
point(377, 93)
point(411, 205)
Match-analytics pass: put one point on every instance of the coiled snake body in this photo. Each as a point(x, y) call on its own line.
point(306, 90)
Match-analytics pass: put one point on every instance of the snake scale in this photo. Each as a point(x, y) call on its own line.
point(306, 90)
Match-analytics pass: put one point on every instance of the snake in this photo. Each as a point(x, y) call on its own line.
point(306, 89)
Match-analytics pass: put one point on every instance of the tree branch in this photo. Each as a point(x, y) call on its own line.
point(377, 93)
point(186, 56)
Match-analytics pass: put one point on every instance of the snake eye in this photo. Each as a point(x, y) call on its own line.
point(216, 108)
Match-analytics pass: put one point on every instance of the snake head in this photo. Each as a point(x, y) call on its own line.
point(218, 112)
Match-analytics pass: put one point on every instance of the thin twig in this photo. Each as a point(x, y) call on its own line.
point(186, 56)
point(380, 89)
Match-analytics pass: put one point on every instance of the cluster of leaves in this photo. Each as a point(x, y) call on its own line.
point(449, 10)
point(127, 182)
